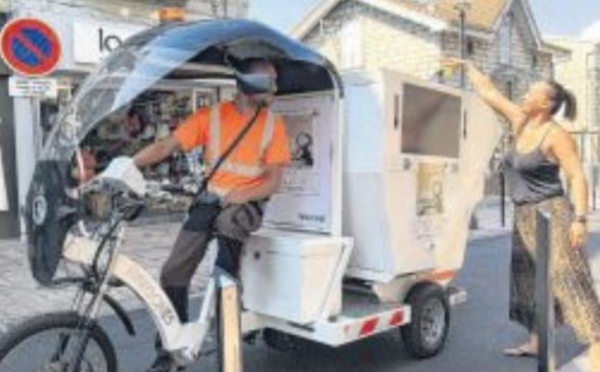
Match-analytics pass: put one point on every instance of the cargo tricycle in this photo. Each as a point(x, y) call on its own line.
point(365, 235)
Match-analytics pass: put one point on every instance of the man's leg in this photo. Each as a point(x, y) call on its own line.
point(234, 225)
point(228, 257)
point(186, 255)
point(176, 274)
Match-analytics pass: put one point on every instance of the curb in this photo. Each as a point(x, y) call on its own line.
point(579, 364)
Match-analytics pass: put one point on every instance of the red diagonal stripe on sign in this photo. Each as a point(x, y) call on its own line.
point(368, 327)
point(397, 318)
point(31, 47)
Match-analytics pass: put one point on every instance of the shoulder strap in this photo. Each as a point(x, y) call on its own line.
point(548, 131)
point(520, 128)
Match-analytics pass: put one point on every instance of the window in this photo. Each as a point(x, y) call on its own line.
point(504, 41)
point(431, 122)
point(351, 45)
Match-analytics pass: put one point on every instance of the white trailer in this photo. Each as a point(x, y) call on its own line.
point(369, 236)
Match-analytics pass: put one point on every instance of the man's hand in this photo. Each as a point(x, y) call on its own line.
point(451, 65)
point(454, 63)
point(156, 152)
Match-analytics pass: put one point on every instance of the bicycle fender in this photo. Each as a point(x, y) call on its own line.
point(121, 314)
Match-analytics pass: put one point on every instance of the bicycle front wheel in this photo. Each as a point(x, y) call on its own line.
point(48, 343)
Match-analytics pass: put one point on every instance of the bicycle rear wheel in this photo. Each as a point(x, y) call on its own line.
point(48, 343)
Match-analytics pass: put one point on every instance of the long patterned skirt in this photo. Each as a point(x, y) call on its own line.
point(576, 301)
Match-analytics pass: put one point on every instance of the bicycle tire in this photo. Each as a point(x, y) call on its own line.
point(47, 322)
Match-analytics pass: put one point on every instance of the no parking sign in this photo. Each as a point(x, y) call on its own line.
point(30, 47)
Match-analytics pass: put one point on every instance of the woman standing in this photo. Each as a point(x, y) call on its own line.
point(541, 149)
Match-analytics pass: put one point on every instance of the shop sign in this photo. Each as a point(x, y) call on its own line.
point(94, 41)
point(32, 87)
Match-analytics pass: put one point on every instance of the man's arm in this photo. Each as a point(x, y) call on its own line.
point(156, 152)
point(272, 179)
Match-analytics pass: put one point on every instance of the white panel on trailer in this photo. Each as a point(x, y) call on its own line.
point(413, 173)
point(290, 275)
point(305, 200)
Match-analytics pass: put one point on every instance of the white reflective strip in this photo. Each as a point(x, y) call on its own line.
point(369, 326)
point(215, 134)
point(241, 169)
point(220, 191)
point(267, 133)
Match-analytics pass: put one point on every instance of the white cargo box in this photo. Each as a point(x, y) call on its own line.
point(289, 275)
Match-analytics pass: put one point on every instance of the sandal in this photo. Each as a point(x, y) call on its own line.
point(521, 351)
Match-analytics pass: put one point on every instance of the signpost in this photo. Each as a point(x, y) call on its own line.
point(30, 47)
point(3, 191)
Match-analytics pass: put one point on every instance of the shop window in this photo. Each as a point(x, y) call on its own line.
point(151, 117)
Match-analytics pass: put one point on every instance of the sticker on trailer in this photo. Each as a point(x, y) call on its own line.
point(428, 230)
point(430, 190)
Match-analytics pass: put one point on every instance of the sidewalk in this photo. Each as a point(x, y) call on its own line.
point(21, 297)
point(489, 221)
point(580, 364)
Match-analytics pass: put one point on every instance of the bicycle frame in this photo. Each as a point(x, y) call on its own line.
point(186, 339)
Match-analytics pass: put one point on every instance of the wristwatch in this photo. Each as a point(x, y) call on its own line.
point(582, 218)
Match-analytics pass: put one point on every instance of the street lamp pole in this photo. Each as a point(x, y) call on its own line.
point(462, 6)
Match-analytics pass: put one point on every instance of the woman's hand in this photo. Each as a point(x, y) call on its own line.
point(578, 235)
point(454, 63)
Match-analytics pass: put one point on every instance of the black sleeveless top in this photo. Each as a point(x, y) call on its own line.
point(531, 177)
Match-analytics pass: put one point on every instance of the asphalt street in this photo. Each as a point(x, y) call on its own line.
point(479, 332)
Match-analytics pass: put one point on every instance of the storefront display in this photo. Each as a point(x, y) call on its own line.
point(149, 118)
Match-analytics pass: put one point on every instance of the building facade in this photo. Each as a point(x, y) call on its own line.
point(88, 30)
point(581, 74)
point(412, 36)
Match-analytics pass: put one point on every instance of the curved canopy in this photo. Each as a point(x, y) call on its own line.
point(193, 51)
point(194, 55)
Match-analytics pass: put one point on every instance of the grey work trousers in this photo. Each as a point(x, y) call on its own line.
point(231, 225)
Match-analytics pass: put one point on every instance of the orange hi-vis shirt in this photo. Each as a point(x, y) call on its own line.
point(215, 131)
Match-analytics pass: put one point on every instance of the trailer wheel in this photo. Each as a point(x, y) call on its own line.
point(282, 341)
point(426, 334)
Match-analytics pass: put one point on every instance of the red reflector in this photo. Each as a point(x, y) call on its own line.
point(397, 318)
point(369, 326)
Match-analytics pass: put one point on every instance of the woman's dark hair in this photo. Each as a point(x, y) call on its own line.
point(561, 96)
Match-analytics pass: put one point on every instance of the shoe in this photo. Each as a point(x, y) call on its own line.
point(521, 351)
point(164, 363)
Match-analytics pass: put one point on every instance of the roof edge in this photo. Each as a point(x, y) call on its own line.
point(323, 8)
